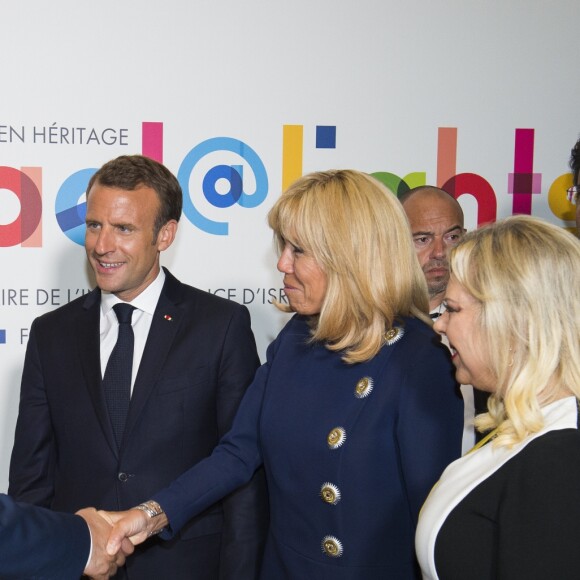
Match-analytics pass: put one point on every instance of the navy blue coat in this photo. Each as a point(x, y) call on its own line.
point(38, 543)
point(396, 433)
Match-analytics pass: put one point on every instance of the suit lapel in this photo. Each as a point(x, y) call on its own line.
point(89, 348)
point(166, 322)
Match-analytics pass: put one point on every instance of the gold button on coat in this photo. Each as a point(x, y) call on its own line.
point(332, 546)
point(393, 335)
point(336, 437)
point(330, 493)
point(363, 388)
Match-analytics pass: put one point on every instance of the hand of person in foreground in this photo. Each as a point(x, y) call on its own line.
point(134, 525)
point(103, 564)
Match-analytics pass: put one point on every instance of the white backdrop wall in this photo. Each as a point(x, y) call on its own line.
point(416, 90)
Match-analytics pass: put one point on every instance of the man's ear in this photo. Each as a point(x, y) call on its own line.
point(166, 235)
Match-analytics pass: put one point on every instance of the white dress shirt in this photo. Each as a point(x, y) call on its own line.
point(145, 304)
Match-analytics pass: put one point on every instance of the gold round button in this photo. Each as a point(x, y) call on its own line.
point(336, 437)
point(363, 388)
point(330, 493)
point(393, 335)
point(332, 546)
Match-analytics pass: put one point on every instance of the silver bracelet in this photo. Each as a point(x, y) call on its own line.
point(152, 509)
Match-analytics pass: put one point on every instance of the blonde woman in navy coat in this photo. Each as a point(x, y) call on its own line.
point(354, 415)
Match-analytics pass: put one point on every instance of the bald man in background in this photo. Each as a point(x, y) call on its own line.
point(437, 225)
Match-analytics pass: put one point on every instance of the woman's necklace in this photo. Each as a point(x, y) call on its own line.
point(491, 435)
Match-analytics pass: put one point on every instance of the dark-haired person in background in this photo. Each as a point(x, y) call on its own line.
point(575, 189)
point(90, 433)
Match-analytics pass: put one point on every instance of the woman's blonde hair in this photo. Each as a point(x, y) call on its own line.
point(525, 273)
point(357, 231)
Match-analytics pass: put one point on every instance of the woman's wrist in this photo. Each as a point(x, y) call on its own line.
point(157, 519)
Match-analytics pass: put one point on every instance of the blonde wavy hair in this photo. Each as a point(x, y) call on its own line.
point(525, 273)
point(358, 233)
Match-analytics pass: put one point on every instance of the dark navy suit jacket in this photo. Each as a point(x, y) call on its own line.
point(399, 431)
point(199, 358)
point(38, 543)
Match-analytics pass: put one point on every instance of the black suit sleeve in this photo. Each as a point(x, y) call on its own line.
point(38, 543)
point(246, 509)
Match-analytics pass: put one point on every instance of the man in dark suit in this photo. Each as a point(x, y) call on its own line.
point(39, 543)
point(79, 441)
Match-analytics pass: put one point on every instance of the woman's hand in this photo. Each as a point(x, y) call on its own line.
point(133, 524)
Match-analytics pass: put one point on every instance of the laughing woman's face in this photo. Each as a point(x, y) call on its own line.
point(461, 324)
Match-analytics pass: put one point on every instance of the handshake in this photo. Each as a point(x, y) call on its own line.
point(114, 535)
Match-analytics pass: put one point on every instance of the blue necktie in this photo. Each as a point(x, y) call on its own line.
point(117, 379)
